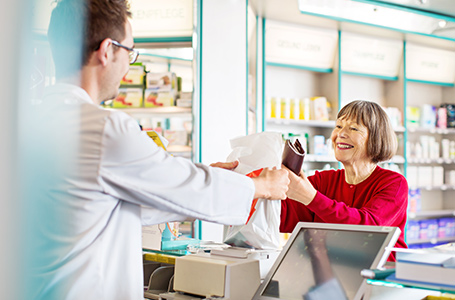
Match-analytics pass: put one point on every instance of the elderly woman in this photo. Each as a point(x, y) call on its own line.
point(362, 193)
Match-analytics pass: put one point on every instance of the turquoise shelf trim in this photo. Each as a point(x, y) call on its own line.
point(257, 73)
point(339, 81)
point(374, 25)
point(177, 39)
point(370, 75)
point(247, 68)
point(405, 135)
point(263, 74)
point(197, 223)
point(320, 70)
point(165, 56)
point(431, 82)
point(408, 9)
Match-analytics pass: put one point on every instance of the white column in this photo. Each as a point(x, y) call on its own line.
point(223, 84)
point(10, 21)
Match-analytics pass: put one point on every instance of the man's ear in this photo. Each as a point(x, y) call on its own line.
point(104, 52)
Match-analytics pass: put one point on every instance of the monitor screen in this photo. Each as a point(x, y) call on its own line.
point(324, 263)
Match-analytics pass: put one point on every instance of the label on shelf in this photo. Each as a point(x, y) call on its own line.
point(430, 64)
point(300, 45)
point(156, 18)
point(370, 55)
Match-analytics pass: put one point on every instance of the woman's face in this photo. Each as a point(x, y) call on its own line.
point(350, 141)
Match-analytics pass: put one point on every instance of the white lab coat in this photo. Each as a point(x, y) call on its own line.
point(93, 170)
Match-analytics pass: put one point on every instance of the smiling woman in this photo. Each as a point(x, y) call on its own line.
point(362, 193)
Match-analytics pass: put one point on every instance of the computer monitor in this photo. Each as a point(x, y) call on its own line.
point(323, 261)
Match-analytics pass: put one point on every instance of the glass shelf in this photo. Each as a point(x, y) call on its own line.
point(431, 214)
point(432, 130)
point(413, 160)
point(311, 123)
point(432, 241)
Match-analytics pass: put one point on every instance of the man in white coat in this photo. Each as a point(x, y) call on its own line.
point(99, 178)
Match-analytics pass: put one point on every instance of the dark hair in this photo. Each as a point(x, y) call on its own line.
point(382, 141)
point(77, 27)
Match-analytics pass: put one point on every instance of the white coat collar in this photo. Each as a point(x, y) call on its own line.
point(66, 88)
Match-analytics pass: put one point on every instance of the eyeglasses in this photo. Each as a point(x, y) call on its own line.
point(133, 53)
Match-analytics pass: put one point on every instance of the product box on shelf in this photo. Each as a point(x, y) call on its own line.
point(438, 176)
point(414, 200)
point(424, 176)
point(441, 120)
point(450, 115)
point(135, 75)
point(320, 109)
point(319, 147)
point(394, 116)
point(428, 116)
point(412, 231)
point(128, 98)
point(411, 176)
point(413, 116)
point(176, 137)
point(161, 82)
point(428, 229)
point(446, 227)
point(152, 98)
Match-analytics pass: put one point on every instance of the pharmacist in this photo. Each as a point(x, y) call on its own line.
point(361, 193)
point(96, 169)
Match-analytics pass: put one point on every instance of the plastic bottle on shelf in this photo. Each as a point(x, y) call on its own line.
point(159, 128)
point(305, 109)
point(296, 109)
point(283, 108)
point(452, 149)
point(445, 148)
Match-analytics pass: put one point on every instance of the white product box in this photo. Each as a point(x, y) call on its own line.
point(412, 177)
point(438, 176)
point(424, 176)
point(151, 236)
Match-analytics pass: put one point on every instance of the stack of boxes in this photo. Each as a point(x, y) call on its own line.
point(423, 233)
point(420, 232)
point(147, 89)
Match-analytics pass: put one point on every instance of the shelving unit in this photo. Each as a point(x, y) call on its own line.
point(370, 63)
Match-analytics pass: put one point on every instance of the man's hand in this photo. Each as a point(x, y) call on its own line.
point(226, 165)
point(271, 184)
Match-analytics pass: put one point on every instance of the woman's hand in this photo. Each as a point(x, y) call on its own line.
point(300, 188)
point(226, 165)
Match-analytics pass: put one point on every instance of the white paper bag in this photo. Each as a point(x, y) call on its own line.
point(254, 152)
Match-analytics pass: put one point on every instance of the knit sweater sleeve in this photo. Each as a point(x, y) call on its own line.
point(381, 201)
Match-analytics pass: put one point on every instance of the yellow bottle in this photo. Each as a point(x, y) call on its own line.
point(273, 106)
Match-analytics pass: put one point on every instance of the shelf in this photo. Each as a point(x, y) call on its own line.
point(319, 158)
point(163, 112)
point(395, 78)
point(431, 82)
point(311, 123)
point(413, 160)
point(431, 214)
point(318, 70)
point(436, 188)
point(432, 130)
point(396, 159)
point(432, 241)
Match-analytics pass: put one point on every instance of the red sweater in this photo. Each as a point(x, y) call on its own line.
point(380, 200)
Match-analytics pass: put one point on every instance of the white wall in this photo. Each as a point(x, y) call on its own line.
point(223, 84)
